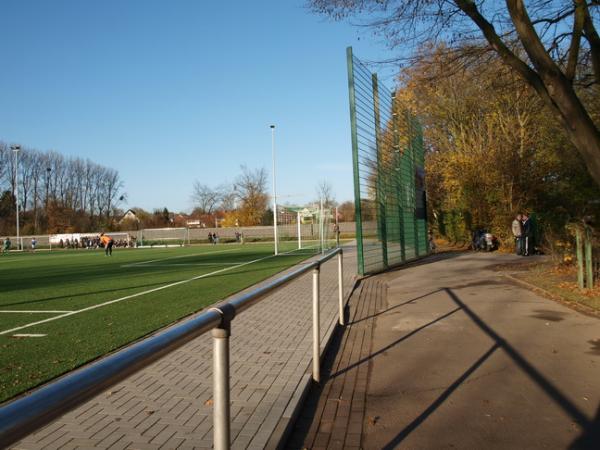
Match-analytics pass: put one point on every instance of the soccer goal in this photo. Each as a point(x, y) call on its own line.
point(84, 240)
point(163, 237)
point(306, 227)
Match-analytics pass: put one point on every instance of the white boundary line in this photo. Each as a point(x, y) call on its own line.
point(178, 256)
point(29, 335)
point(110, 302)
point(198, 264)
point(30, 312)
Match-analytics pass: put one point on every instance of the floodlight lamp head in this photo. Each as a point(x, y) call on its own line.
point(272, 126)
point(15, 147)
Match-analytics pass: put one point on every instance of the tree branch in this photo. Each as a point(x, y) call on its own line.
point(592, 37)
point(470, 9)
point(575, 40)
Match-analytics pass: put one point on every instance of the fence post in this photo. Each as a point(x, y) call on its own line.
point(589, 269)
point(579, 253)
point(398, 176)
point(341, 285)
point(413, 206)
point(316, 330)
point(355, 163)
point(380, 191)
point(221, 406)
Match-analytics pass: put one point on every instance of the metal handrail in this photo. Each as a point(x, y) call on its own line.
point(24, 415)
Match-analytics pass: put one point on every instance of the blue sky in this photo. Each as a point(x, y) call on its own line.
point(173, 92)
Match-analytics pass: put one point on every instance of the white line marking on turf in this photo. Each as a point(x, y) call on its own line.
point(179, 256)
point(31, 312)
point(89, 308)
point(29, 335)
point(199, 264)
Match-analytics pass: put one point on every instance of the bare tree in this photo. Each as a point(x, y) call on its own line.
point(324, 192)
point(228, 198)
point(112, 184)
point(205, 198)
point(66, 186)
point(251, 189)
point(4, 166)
point(552, 44)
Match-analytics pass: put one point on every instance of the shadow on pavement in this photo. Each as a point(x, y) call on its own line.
point(590, 438)
point(393, 344)
point(311, 407)
point(431, 408)
point(408, 302)
point(434, 257)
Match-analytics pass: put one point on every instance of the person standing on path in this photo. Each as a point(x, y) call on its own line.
point(517, 231)
point(431, 241)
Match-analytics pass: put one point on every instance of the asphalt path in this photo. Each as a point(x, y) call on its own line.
point(450, 353)
point(463, 358)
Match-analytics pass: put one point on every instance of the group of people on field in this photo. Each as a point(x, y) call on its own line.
point(213, 238)
point(522, 230)
point(103, 240)
point(93, 242)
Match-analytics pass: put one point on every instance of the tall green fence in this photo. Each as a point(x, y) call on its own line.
point(389, 176)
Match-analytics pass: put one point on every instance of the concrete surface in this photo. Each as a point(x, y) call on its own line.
point(460, 357)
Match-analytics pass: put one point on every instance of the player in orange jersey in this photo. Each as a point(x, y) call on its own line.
point(108, 242)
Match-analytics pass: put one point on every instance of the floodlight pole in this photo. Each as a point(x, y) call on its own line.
point(298, 220)
point(16, 148)
point(274, 188)
point(322, 227)
point(337, 229)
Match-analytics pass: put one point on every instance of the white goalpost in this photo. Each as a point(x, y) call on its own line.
point(305, 227)
point(163, 237)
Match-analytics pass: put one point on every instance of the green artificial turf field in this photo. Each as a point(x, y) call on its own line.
point(59, 310)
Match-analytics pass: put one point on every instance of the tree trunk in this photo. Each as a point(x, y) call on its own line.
point(579, 126)
point(560, 95)
point(547, 79)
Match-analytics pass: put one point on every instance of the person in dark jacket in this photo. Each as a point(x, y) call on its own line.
point(527, 236)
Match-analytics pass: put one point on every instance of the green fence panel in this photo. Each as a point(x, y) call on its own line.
point(388, 164)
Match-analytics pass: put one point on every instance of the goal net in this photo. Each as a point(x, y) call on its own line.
point(84, 240)
point(163, 237)
point(308, 228)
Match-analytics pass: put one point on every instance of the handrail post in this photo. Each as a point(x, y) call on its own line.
point(589, 270)
point(579, 252)
point(341, 285)
point(316, 324)
point(221, 404)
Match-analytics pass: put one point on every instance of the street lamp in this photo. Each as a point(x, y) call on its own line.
point(274, 188)
point(16, 148)
point(48, 170)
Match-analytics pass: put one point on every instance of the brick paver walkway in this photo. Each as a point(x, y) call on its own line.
point(333, 415)
point(169, 403)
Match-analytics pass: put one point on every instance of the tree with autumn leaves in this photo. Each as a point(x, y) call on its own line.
point(553, 46)
point(508, 95)
point(493, 148)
